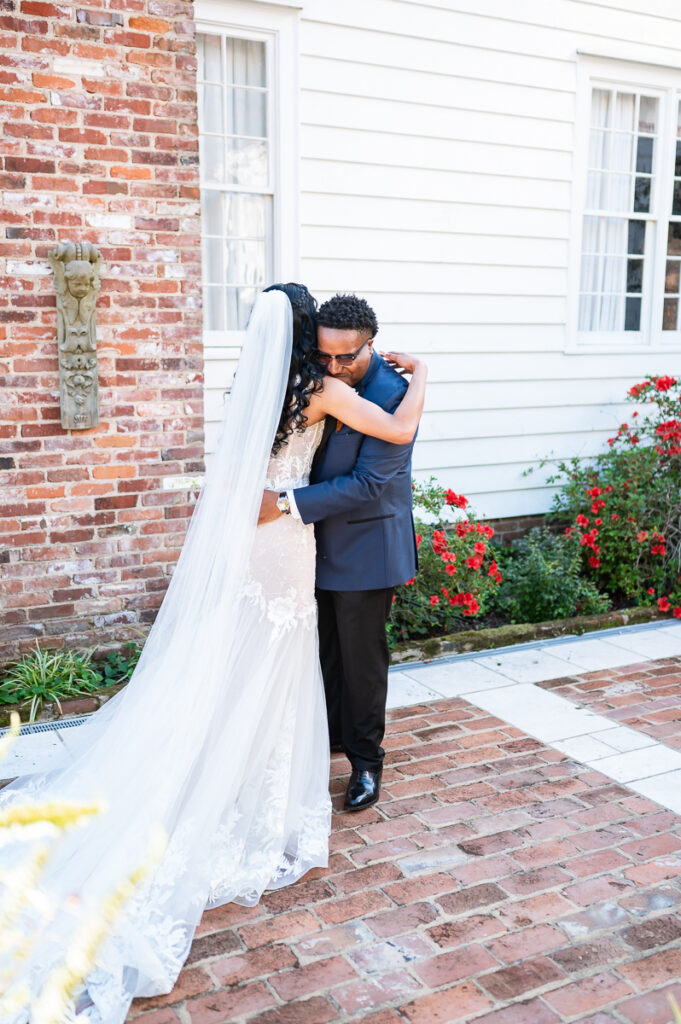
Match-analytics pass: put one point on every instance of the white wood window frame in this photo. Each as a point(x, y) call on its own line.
point(596, 72)
point(277, 26)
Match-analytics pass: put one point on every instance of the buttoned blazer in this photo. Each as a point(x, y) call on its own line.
point(360, 498)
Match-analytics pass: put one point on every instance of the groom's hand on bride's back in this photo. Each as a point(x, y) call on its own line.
point(268, 507)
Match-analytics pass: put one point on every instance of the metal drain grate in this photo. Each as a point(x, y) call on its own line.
point(65, 723)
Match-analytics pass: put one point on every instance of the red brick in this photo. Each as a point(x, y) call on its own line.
point(452, 1005)
point(316, 1010)
point(587, 994)
point(240, 967)
point(376, 990)
point(219, 1007)
point(405, 919)
point(283, 926)
point(338, 910)
point(542, 938)
point(448, 967)
point(320, 975)
point(654, 970)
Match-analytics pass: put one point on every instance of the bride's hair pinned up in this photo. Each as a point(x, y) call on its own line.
point(306, 374)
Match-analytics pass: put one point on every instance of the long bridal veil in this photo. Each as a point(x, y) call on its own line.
point(159, 753)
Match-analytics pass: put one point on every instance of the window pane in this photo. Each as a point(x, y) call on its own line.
point(644, 155)
point(632, 318)
point(212, 158)
point(676, 201)
point(245, 263)
point(671, 279)
point(677, 162)
point(634, 275)
point(674, 240)
point(213, 309)
point(622, 152)
point(625, 106)
point(245, 216)
point(642, 195)
point(647, 115)
point(636, 236)
point(210, 59)
point(608, 191)
point(246, 112)
point(211, 212)
point(246, 162)
point(210, 106)
point(211, 252)
point(670, 314)
point(245, 62)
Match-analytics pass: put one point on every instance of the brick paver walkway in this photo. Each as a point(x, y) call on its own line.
point(644, 697)
point(497, 881)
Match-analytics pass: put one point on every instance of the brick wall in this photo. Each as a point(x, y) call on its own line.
point(98, 122)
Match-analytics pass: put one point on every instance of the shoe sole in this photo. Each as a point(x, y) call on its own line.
point(362, 807)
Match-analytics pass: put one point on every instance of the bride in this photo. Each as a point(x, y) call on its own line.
point(221, 735)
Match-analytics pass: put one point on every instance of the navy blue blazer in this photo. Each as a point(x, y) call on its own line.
point(360, 499)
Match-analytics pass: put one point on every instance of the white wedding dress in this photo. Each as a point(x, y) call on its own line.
point(221, 736)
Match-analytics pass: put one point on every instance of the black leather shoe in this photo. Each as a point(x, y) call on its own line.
point(363, 790)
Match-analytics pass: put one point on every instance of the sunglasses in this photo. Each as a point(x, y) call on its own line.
point(347, 359)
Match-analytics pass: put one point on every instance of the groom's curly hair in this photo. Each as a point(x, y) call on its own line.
point(305, 374)
point(348, 313)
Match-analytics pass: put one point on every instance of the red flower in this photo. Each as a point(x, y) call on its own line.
point(455, 499)
point(658, 549)
point(408, 583)
point(450, 569)
point(636, 390)
point(461, 529)
point(488, 531)
point(677, 612)
point(479, 548)
point(614, 517)
point(493, 568)
point(641, 536)
point(445, 592)
point(434, 599)
point(664, 383)
point(597, 506)
point(663, 604)
point(608, 489)
point(474, 562)
point(581, 520)
point(594, 492)
point(594, 562)
point(598, 522)
point(651, 590)
point(419, 538)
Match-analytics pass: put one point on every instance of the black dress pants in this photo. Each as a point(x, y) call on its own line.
point(353, 650)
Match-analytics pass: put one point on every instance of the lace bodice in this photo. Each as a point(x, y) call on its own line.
point(290, 467)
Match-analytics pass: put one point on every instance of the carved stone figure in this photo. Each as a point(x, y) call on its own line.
point(76, 280)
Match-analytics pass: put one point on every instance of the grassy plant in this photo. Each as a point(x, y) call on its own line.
point(49, 676)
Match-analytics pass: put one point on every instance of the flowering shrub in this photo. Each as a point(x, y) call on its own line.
point(457, 571)
point(625, 506)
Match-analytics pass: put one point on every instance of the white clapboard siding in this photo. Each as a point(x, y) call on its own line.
point(320, 242)
point(437, 174)
point(373, 147)
point(327, 209)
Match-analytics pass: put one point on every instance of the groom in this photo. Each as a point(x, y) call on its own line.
point(360, 501)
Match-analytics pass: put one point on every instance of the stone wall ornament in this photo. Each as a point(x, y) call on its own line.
point(76, 280)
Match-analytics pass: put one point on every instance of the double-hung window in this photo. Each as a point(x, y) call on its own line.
point(247, 110)
point(626, 287)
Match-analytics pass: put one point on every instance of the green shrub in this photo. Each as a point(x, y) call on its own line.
point(118, 666)
point(543, 580)
point(457, 572)
point(624, 506)
point(49, 676)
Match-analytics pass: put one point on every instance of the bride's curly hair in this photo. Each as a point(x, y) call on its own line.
point(306, 373)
